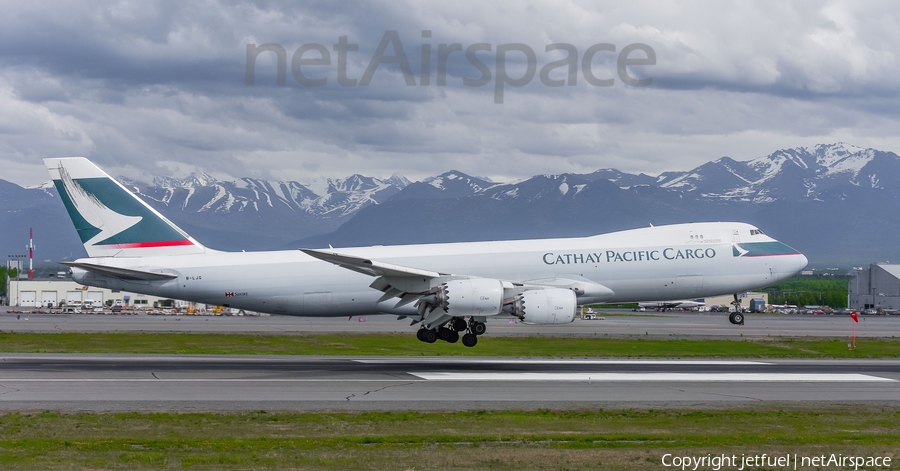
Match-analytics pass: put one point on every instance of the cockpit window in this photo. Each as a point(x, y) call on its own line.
point(756, 232)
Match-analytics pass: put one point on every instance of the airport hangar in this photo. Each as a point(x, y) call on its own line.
point(876, 287)
point(53, 292)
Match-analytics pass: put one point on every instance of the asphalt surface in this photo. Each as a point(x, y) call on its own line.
point(169, 383)
point(622, 323)
point(178, 382)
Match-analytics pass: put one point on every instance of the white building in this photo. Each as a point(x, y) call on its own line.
point(55, 292)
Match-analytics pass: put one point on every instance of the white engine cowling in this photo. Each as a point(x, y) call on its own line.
point(474, 297)
point(547, 306)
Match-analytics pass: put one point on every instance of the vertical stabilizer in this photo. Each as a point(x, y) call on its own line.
point(111, 221)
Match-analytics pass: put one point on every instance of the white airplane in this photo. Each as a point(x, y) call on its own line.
point(680, 304)
point(448, 288)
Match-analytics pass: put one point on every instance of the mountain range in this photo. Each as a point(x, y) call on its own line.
point(834, 202)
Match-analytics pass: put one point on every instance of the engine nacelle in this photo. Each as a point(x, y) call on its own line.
point(545, 306)
point(474, 297)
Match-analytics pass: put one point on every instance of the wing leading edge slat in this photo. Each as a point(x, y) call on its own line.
point(369, 267)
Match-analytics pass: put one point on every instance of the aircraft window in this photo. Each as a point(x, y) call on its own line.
point(756, 232)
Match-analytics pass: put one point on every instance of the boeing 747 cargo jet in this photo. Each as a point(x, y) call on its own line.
point(448, 288)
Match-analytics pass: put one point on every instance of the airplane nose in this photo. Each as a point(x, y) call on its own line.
point(803, 261)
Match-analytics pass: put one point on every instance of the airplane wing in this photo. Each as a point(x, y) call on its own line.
point(123, 273)
point(409, 284)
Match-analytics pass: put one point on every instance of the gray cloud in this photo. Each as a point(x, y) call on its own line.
point(158, 88)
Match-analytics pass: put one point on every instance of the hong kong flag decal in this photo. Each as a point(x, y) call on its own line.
point(229, 294)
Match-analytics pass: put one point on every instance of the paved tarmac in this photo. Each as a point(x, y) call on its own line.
point(151, 382)
point(623, 323)
point(178, 382)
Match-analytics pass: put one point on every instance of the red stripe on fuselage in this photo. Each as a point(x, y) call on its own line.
point(147, 245)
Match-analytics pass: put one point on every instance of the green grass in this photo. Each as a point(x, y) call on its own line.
point(407, 345)
point(513, 440)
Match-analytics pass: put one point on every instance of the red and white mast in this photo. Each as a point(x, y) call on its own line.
point(30, 253)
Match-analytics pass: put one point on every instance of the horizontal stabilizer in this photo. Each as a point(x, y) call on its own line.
point(122, 273)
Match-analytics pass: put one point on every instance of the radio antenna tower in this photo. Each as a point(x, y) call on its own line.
point(30, 253)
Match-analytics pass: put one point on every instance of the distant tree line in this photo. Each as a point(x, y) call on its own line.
point(3, 273)
point(810, 291)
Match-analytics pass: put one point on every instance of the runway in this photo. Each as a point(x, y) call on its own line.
point(178, 382)
point(622, 324)
point(119, 382)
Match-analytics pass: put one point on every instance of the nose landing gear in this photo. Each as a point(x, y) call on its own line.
point(736, 317)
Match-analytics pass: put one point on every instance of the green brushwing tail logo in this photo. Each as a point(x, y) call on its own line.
point(105, 215)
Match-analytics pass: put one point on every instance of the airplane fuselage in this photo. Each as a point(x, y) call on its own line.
point(648, 264)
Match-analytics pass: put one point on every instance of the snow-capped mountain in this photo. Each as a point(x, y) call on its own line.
point(823, 172)
point(252, 213)
point(452, 184)
point(202, 193)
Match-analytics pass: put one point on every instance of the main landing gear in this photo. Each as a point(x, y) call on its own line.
point(736, 317)
point(450, 332)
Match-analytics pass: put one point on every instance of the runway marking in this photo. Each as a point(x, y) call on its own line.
point(560, 362)
point(635, 377)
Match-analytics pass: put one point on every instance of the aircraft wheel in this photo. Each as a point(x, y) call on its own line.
point(429, 336)
point(453, 338)
point(444, 333)
point(736, 318)
point(479, 328)
point(420, 334)
point(469, 340)
point(458, 324)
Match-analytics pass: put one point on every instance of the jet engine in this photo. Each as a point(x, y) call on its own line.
point(544, 306)
point(471, 297)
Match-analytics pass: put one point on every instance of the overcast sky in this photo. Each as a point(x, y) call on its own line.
point(158, 88)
